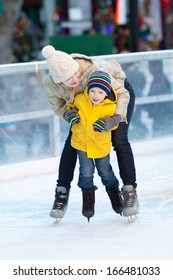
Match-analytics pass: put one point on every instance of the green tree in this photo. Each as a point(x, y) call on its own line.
point(8, 19)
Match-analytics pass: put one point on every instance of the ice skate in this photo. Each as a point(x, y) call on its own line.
point(88, 196)
point(60, 204)
point(116, 199)
point(130, 203)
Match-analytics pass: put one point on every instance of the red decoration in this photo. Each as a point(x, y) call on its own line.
point(165, 4)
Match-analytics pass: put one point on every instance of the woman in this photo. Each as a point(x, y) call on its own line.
point(68, 76)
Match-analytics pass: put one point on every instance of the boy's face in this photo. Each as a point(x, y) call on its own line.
point(97, 95)
point(73, 81)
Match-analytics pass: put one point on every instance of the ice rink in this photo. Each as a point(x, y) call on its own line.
point(28, 233)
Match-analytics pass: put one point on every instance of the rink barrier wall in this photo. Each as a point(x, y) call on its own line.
point(49, 164)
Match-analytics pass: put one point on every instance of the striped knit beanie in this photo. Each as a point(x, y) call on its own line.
point(101, 80)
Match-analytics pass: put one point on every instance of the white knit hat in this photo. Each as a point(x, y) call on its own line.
point(61, 65)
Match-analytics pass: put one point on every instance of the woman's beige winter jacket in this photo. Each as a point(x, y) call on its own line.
point(60, 95)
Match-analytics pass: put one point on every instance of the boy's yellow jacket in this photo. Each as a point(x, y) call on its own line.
point(84, 138)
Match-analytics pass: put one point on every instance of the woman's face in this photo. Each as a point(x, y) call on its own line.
point(73, 81)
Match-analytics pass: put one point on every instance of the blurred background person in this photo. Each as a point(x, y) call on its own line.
point(160, 112)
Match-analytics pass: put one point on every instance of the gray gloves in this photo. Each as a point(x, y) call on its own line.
point(72, 117)
point(110, 122)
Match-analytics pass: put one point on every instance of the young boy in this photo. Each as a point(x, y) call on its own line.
point(91, 137)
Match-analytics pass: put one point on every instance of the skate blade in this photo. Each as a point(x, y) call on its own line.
point(131, 218)
point(57, 221)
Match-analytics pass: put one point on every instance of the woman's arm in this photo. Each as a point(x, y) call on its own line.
point(54, 92)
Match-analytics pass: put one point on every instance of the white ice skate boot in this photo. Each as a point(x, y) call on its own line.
point(130, 203)
point(61, 202)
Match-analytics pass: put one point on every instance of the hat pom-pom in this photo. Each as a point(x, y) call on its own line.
point(48, 51)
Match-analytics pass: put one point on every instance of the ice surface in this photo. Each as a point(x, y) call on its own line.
point(28, 233)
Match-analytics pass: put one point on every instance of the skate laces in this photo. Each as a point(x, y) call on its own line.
point(60, 200)
point(59, 206)
point(129, 198)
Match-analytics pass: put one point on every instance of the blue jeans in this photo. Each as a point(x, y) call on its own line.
point(120, 145)
point(87, 168)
